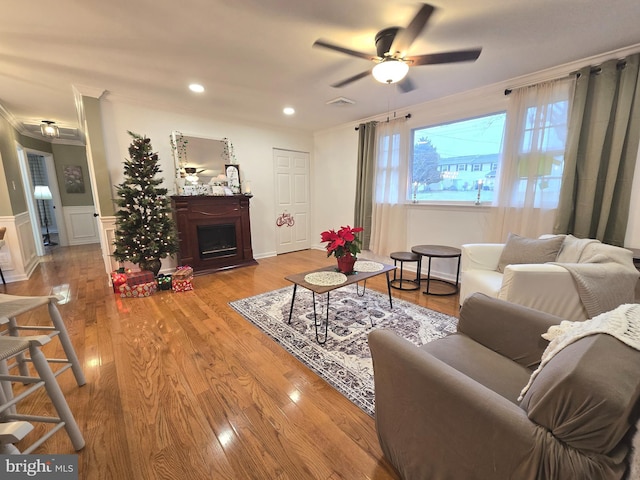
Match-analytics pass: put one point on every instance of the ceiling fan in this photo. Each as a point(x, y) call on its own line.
point(392, 45)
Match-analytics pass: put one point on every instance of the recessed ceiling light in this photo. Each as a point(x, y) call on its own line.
point(288, 110)
point(196, 87)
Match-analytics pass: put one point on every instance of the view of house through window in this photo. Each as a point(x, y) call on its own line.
point(458, 161)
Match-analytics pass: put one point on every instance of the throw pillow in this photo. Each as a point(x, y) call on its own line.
point(520, 250)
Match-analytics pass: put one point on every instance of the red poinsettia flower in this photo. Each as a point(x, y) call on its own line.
point(329, 236)
point(342, 242)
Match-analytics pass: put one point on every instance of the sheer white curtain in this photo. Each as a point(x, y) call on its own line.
point(530, 173)
point(388, 229)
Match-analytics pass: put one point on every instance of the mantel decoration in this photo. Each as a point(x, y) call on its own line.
point(145, 230)
point(228, 152)
point(344, 245)
point(179, 151)
point(232, 171)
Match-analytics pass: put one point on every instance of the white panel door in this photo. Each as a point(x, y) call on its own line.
point(292, 200)
point(82, 227)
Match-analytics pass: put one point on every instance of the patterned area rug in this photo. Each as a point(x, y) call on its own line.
point(344, 361)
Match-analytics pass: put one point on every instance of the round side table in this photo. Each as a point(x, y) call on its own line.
point(399, 283)
point(438, 251)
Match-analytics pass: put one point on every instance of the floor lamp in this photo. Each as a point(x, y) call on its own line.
point(43, 193)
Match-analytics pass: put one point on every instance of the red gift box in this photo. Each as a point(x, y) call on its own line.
point(182, 285)
point(139, 278)
point(140, 290)
point(182, 279)
point(118, 279)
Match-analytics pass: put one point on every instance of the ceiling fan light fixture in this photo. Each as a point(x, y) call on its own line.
point(49, 129)
point(390, 70)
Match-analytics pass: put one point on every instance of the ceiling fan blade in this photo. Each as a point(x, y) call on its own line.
point(406, 36)
point(338, 48)
point(445, 57)
point(406, 85)
point(349, 80)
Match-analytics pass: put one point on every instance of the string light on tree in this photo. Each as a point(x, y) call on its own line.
point(145, 232)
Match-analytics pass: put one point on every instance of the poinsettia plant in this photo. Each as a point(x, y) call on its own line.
point(343, 241)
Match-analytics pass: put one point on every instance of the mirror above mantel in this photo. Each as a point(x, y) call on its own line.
point(206, 155)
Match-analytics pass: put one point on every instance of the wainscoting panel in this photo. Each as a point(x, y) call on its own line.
point(81, 225)
point(18, 257)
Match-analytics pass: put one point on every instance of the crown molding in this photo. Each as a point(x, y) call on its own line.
point(53, 141)
point(13, 121)
point(87, 91)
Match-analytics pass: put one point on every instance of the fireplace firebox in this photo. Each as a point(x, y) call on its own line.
point(214, 232)
point(217, 240)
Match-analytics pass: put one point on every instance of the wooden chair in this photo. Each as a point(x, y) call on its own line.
point(11, 306)
point(13, 432)
point(10, 348)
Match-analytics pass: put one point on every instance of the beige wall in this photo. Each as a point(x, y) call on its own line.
point(12, 196)
point(34, 143)
point(5, 139)
point(12, 199)
point(72, 155)
point(253, 144)
point(97, 154)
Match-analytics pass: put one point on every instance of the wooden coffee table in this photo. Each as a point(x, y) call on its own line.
point(299, 279)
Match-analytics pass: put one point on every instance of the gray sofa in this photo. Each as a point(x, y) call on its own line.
point(450, 409)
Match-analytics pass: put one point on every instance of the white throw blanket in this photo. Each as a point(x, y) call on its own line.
point(622, 323)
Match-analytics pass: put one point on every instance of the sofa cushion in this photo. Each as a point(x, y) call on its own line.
point(587, 393)
point(519, 250)
point(488, 282)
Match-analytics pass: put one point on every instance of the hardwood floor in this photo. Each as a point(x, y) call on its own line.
point(180, 386)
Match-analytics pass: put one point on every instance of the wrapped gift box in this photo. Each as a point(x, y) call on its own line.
point(164, 282)
point(117, 279)
point(139, 278)
point(182, 279)
point(140, 290)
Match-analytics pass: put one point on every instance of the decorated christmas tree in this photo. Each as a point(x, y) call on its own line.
point(145, 230)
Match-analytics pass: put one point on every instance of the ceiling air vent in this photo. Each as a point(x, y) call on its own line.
point(341, 101)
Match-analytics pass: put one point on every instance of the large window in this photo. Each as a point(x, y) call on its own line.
point(541, 155)
point(456, 162)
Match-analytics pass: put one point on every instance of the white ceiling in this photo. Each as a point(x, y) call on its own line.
point(255, 56)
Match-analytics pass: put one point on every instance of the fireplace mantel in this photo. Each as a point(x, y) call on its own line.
point(201, 214)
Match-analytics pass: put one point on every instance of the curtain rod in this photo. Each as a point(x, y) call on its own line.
point(594, 71)
point(508, 91)
point(407, 116)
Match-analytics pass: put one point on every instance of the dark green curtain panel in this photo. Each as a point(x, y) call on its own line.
point(601, 152)
point(364, 179)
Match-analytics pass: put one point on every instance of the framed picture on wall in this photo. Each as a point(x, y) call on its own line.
point(232, 171)
point(73, 179)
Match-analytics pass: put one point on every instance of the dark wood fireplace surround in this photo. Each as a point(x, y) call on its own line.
point(191, 212)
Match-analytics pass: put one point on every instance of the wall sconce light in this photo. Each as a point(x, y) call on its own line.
point(49, 129)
